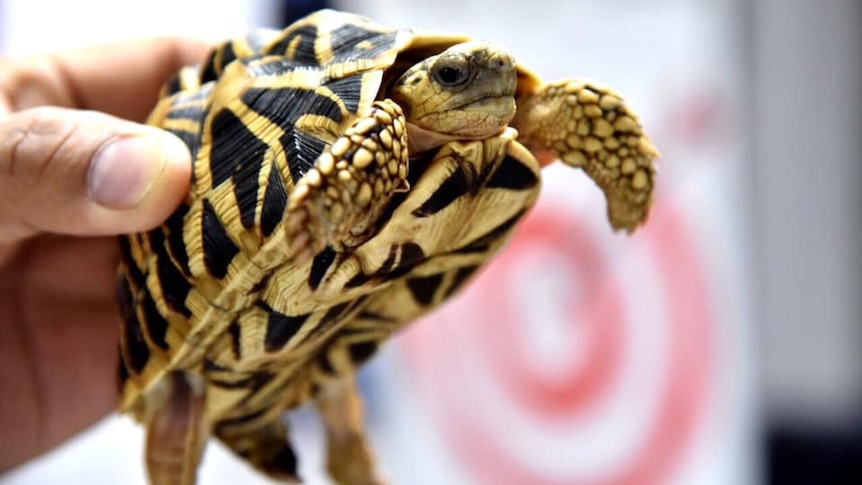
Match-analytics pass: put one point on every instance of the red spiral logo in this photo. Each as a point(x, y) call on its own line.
point(562, 364)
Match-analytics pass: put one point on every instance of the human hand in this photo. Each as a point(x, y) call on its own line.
point(69, 180)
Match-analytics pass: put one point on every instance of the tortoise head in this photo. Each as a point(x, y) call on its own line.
point(465, 92)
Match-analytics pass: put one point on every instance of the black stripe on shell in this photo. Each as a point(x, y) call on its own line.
point(351, 41)
point(358, 280)
point(254, 381)
point(174, 86)
point(274, 202)
point(304, 47)
point(211, 366)
point(224, 425)
point(235, 332)
point(193, 113)
point(283, 463)
point(306, 149)
point(280, 328)
point(411, 256)
point(375, 317)
point(360, 352)
point(228, 55)
point(455, 186)
point(514, 175)
point(137, 353)
point(238, 154)
point(284, 107)
point(193, 106)
point(245, 188)
point(216, 62)
point(333, 316)
point(134, 352)
point(348, 89)
point(424, 288)
point(402, 258)
point(234, 146)
point(270, 67)
point(175, 287)
point(260, 285)
point(320, 265)
point(219, 249)
point(389, 262)
point(137, 277)
point(154, 323)
point(208, 69)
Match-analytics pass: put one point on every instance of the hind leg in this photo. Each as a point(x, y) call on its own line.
point(349, 458)
point(264, 446)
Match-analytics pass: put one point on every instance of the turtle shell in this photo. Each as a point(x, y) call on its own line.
point(256, 115)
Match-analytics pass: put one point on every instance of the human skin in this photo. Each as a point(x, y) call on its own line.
point(59, 212)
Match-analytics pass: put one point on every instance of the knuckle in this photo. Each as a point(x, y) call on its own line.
point(32, 144)
point(39, 169)
point(32, 82)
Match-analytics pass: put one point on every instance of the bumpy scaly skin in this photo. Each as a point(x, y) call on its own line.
point(590, 126)
point(339, 201)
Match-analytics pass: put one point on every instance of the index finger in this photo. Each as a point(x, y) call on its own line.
point(121, 79)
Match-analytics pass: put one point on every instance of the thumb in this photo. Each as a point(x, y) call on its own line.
point(86, 173)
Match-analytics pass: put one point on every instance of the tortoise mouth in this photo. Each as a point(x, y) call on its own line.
point(486, 102)
point(472, 118)
point(476, 118)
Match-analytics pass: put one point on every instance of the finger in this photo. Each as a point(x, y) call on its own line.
point(57, 271)
point(122, 79)
point(86, 173)
point(58, 343)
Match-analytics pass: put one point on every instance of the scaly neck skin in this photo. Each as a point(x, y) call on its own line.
point(421, 140)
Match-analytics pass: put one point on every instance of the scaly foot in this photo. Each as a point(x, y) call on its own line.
point(340, 200)
point(590, 127)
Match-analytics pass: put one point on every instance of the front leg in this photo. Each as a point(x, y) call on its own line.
point(338, 203)
point(590, 127)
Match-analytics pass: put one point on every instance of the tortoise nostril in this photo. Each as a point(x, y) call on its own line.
point(502, 62)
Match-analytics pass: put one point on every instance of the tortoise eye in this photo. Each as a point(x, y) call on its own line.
point(450, 75)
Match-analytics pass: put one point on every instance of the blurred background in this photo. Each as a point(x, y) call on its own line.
point(719, 345)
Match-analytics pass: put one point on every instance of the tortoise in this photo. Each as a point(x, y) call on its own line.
point(348, 178)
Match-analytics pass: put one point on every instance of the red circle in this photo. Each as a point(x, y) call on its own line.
point(577, 388)
point(682, 397)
